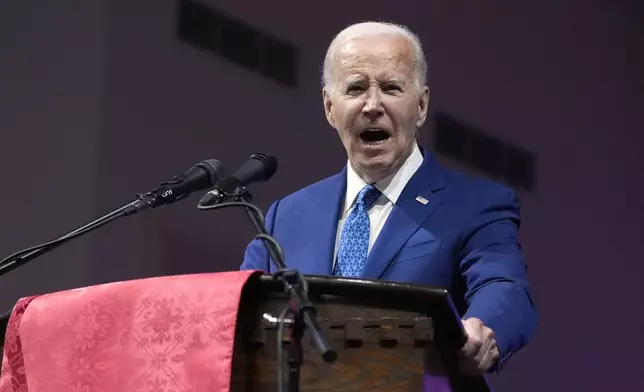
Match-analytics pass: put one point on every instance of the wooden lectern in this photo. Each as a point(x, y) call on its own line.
point(389, 337)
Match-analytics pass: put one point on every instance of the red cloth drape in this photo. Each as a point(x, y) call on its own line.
point(166, 334)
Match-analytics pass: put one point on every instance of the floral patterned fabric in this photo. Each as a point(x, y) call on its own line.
point(166, 334)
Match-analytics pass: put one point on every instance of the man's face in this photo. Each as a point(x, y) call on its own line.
point(375, 103)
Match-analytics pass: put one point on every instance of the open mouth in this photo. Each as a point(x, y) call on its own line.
point(374, 136)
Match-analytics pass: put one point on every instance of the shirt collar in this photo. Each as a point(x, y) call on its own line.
point(391, 186)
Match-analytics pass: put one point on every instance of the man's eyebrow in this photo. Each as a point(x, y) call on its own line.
point(354, 78)
point(358, 78)
point(392, 79)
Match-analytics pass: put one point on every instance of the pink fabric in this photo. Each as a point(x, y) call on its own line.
point(167, 334)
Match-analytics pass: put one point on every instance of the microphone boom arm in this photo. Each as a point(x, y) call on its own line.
point(202, 175)
point(19, 258)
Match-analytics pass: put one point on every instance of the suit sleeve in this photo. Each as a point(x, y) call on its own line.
point(495, 274)
point(256, 257)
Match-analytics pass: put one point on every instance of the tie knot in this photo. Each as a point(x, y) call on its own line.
point(367, 196)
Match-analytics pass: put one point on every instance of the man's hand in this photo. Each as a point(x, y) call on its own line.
point(480, 352)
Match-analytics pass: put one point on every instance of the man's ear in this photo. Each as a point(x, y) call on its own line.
point(328, 106)
point(423, 103)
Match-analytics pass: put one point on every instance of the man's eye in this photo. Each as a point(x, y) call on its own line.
point(354, 88)
point(392, 87)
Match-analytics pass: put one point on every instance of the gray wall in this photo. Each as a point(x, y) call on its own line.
point(52, 68)
point(100, 101)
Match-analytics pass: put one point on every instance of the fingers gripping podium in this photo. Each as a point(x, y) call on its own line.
point(219, 332)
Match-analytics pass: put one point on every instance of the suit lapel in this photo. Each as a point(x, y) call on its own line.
point(407, 215)
point(320, 218)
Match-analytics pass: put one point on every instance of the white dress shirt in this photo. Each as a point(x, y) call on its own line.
point(391, 187)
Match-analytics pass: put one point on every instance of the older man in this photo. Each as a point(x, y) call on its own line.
point(394, 213)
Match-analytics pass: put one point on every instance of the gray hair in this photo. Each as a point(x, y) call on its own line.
point(375, 28)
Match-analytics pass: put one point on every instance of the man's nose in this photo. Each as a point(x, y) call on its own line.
point(373, 103)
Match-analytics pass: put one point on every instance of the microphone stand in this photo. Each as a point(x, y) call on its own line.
point(142, 202)
point(304, 312)
point(19, 258)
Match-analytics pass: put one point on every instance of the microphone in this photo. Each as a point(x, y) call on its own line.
point(259, 167)
point(199, 177)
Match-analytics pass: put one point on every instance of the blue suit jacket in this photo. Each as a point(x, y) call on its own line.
point(464, 239)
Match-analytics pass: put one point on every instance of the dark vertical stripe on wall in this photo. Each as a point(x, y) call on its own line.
point(487, 154)
point(239, 42)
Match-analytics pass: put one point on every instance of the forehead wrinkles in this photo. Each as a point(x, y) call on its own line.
point(384, 59)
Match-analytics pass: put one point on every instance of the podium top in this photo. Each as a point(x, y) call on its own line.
point(434, 302)
point(366, 289)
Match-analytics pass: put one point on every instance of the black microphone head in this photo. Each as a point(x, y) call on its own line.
point(260, 167)
point(203, 175)
point(269, 162)
point(213, 168)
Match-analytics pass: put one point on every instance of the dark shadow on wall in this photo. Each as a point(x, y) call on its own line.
point(486, 154)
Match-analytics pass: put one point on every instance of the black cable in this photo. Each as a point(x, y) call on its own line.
point(273, 242)
point(280, 350)
point(234, 204)
point(276, 247)
point(281, 387)
point(304, 313)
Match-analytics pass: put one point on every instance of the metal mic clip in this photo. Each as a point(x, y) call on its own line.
point(219, 195)
point(242, 194)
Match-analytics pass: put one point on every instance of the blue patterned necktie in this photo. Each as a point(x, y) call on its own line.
point(354, 240)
